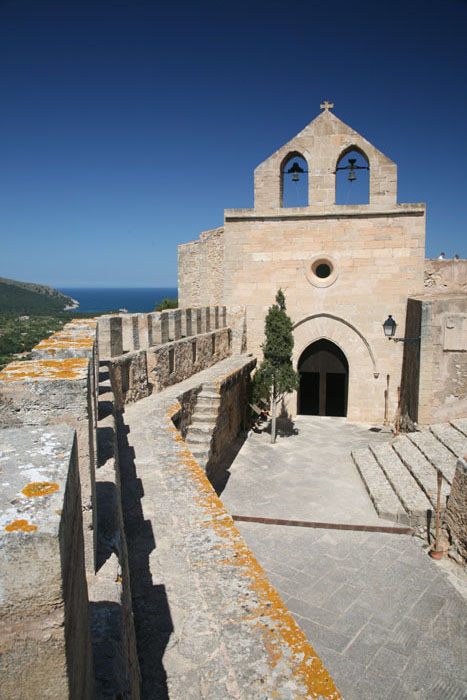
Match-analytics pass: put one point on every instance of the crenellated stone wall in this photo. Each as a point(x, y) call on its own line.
point(138, 374)
point(129, 332)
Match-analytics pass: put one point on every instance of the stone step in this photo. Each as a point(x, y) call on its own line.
point(435, 452)
point(208, 396)
point(404, 485)
point(451, 438)
point(210, 408)
point(460, 424)
point(421, 469)
point(202, 417)
point(201, 427)
point(201, 455)
point(385, 501)
point(198, 438)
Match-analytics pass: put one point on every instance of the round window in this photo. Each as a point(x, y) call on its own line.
point(321, 271)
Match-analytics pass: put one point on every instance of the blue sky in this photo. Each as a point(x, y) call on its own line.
point(127, 126)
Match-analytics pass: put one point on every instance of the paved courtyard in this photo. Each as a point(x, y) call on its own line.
point(384, 618)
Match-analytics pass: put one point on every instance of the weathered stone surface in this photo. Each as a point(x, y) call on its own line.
point(455, 517)
point(421, 469)
point(47, 392)
point(386, 503)
point(408, 491)
point(435, 452)
point(44, 624)
point(228, 633)
point(451, 438)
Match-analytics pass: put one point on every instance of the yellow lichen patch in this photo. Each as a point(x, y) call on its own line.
point(72, 368)
point(39, 488)
point(22, 525)
point(283, 639)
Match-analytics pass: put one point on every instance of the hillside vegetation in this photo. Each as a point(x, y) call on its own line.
point(29, 298)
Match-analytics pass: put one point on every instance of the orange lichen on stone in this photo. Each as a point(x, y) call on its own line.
point(283, 637)
point(72, 368)
point(39, 488)
point(22, 525)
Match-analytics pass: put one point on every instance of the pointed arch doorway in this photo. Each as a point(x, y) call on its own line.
point(324, 379)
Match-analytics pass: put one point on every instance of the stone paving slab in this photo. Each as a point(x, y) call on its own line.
point(383, 616)
point(382, 495)
point(435, 452)
point(460, 424)
point(452, 438)
point(409, 493)
point(421, 469)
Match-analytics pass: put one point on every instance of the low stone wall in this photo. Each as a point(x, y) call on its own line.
point(455, 518)
point(44, 625)
point(138, 374)
point(232, 389)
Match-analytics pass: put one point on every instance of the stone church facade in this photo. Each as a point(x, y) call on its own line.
point(343, 268)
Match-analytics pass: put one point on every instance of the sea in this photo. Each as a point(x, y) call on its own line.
point(133, 299)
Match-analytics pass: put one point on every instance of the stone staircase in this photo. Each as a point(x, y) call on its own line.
point(203, 424)
point(400, 476)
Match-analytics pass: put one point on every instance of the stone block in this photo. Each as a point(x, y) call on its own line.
point(44, 625)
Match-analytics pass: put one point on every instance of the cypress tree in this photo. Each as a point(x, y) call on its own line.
point(276, 376)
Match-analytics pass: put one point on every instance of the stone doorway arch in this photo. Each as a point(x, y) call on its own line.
point(324, 378)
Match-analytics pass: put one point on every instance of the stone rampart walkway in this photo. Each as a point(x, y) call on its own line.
point(385, 619)
point(208, 623)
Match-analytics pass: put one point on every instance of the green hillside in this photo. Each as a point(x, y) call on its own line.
point(28, 298)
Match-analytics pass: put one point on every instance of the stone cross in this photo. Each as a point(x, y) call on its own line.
point(327, 105)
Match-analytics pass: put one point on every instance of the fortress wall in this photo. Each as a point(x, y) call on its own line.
point(44, 625)
point(39, 398)
point(442, 393)
point(445, 276)
point(140, 373)
point(201, 270)
point(49, 392)
point(189, 275)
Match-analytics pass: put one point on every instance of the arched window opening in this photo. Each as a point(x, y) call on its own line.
point(294, 181)
point(352, 178)
point(324, 376)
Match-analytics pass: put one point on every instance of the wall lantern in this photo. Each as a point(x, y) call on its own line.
point(352, 168)
point(294, 170)
point(389, 327)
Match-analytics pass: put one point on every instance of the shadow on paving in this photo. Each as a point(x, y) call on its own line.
point(153, 622)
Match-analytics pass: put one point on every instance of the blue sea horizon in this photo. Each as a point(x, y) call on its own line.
point(133, 299)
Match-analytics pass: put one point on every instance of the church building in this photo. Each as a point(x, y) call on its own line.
point(343, 267)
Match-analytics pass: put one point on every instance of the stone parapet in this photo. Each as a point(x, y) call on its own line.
point(48, 392)
point(138, 374)
point(129, 332)
point(44, 624)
